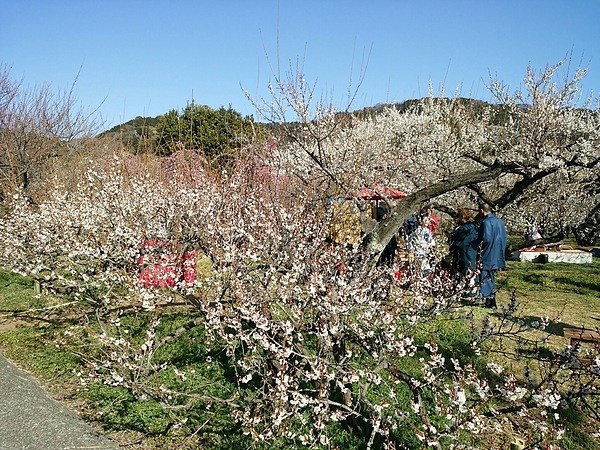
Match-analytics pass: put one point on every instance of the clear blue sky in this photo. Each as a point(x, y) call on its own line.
point(144, 58)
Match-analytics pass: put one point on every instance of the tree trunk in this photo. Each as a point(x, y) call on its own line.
point(588, 232)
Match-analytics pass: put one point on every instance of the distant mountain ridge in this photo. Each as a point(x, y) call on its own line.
point(139, 133)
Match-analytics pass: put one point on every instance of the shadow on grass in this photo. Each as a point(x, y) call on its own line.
point(579, 285)
point(538, 279)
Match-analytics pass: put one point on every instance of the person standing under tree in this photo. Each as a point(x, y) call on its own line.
point(464, 244)
point(420, 244)
point(387, 256)
point(492, 242)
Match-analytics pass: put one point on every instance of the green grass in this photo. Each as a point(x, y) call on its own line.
point(570, 292)
point(17, 293)
point(561, 278)
point(35, 349)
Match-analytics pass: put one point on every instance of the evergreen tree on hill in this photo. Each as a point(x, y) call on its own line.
point(212, 132)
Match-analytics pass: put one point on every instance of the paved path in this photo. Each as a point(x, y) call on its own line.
point(31, 420)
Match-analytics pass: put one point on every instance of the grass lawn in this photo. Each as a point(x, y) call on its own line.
point(570, 289)
point(568, 294)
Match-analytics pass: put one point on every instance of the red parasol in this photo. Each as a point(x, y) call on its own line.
point(378, 192)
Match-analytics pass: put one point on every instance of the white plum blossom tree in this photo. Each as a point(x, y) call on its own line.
point(457, 152)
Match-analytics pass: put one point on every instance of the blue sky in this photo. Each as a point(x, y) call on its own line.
point(144, 58)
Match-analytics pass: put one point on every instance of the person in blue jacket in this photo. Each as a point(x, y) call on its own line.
point(464, 244)
point(492, 242)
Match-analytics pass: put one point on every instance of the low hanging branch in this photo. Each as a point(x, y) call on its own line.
point(383, 232)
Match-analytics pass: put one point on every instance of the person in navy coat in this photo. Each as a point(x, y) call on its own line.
point(492, 242)
point(464, 243)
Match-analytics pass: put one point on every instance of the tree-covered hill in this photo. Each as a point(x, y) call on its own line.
point(136, 134)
